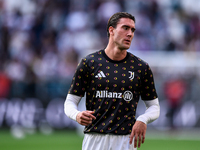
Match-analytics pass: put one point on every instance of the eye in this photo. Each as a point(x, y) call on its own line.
point(133, 29)
point(125, 28)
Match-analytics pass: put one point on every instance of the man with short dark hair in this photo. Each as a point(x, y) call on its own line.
point(113, 80)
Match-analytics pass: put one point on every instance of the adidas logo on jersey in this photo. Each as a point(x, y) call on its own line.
point(100, 75)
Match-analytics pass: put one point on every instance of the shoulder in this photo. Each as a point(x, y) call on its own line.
point(138, 60)
point(93, 57)
point(94, 54)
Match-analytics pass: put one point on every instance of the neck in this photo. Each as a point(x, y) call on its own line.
point(115, 53)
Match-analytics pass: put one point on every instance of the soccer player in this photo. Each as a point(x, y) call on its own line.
point(113, 80)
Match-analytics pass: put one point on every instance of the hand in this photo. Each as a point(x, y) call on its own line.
point(85, 117)
point(139, 131)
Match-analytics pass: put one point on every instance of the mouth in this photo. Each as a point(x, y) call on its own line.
point(127, 41)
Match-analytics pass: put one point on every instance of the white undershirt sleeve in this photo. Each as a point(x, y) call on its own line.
point(71, 106)
point(152, 112)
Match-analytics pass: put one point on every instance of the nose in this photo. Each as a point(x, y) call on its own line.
point(130, 33)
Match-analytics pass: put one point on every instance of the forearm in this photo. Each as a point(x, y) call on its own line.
point(152, 112)
point(71, 106)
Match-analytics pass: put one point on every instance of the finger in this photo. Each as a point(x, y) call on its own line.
point(143, 137)
point(139, 141)
point(93, 117)
point(131, 137)
point(131, 140)
point(90, 114)
point(85, 116)
point(85, 123)
point(84, 120)
point(135, 140)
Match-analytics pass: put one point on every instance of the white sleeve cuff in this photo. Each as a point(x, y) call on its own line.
point(152, 112)
point(71, 106)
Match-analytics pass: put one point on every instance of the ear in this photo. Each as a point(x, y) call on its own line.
point(111, 30)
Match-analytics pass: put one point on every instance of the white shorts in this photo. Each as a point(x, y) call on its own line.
point(107, 142)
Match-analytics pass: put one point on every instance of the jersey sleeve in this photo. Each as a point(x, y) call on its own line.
point(148, 91)
point(80, 79)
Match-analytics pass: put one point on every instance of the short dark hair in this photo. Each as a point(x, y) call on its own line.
point(114, 19)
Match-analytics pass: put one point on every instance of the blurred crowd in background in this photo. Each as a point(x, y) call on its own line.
point(42, 41)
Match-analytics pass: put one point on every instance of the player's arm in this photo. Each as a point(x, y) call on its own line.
point(139, 129)
point(152, 111)
point(71, 110)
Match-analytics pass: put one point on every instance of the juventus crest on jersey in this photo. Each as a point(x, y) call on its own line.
point(113, 89)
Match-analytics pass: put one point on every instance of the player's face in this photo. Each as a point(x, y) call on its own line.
point(124, 33)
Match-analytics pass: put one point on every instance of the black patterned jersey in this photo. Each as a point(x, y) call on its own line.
point(113, 89)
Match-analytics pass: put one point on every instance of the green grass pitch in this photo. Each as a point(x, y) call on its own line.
point(69, 140)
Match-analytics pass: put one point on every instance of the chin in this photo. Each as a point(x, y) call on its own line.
point(126, 47)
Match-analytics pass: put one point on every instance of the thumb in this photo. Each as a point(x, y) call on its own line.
point(91, 112)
